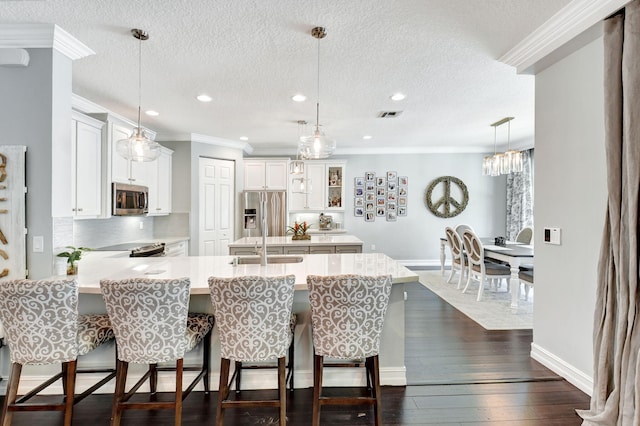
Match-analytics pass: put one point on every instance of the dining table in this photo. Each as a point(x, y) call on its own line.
point(513, 253)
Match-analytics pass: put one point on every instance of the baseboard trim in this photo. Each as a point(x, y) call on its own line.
point(435, 264)
point(578, 378)
point(256, 379)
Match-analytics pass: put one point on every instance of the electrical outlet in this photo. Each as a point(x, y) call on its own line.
point(373, 247)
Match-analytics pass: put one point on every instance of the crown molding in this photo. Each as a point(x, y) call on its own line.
point(29, 36)
point(573, 26)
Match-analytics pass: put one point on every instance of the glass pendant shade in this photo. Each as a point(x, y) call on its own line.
point(301, 186)
point(296, 167)
point(316, 146)
point(138, 147)
point(511, 161)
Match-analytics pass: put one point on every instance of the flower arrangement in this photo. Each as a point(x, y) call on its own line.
point(73, 255)
point(299, 231)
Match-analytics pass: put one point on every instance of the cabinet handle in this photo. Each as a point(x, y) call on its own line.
point(73, 210)
point(79, 210)
point(132, 180)
point(158, 208)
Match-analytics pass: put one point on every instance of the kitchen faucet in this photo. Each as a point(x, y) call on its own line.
point(263, 218)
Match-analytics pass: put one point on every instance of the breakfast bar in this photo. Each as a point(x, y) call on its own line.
point(113, 266)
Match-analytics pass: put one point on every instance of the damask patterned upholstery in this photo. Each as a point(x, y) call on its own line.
point(253, 314)
point(347, 314)
point(198, 325)
point(149, 318)
point(93, 331)
point(40, 320)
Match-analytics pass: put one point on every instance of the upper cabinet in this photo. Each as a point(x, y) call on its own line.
point(322, 190)
point(159, 178)
point(86, 162)
point(260, 175)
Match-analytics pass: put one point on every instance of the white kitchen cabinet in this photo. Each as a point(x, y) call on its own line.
point(326, 192)
point(271, 174)
point(86, 160)
point(179, 248)
point(159, 183)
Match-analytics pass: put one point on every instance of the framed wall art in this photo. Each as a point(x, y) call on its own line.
point(385, 195)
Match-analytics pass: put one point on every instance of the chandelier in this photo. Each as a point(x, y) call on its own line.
point(138, 146)
point(317, 145)
point(504, 163)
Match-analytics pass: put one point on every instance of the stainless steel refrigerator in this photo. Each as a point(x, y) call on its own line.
point(276, 212)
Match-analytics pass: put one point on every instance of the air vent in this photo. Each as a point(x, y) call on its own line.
point(389, 114)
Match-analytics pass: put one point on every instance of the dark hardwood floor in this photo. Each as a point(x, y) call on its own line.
point(459, 374)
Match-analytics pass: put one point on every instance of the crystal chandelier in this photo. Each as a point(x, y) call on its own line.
point(317, 145)
point(502, 163)
point(138, 146)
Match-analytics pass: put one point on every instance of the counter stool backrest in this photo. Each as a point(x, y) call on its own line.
point(347, 314)
point(253, 315)
point(40, 320)
point(149, 317)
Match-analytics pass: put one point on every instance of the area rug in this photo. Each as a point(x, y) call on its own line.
point(494, 312)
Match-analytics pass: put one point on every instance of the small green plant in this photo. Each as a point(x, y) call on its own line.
point(73, 254)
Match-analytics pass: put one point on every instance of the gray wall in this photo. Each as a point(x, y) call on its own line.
point(571, 193)
point(35, 110)
point(415, 238)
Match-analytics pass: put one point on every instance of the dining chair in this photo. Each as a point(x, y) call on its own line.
point(152, 325)
point(42, 326)
point(481, 269)
point(347, 316)
point(253, 315)
point(526, 277)
point(525, 235)
point(460, 228)
point(458, 257)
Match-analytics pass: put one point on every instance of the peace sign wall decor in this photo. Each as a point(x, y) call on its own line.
point(385, 197)
point(446, 205)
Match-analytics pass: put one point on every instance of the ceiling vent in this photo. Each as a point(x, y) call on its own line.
point(389, 114)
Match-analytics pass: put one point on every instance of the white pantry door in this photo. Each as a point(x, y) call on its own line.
point(216, 215)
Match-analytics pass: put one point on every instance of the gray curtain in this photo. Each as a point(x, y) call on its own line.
point(616, 338)
point(520, 198)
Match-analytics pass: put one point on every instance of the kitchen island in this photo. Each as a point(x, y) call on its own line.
point(318, 244)
point(109, 265)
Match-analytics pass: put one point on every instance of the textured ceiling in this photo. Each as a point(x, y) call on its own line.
point(252, 56)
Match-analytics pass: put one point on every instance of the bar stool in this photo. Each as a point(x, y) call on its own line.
point(347, 315)
point(42, 326)
point(152, 325)
point(253, 315)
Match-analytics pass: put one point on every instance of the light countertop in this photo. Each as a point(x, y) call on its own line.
point(112, 265)
point(316, 240)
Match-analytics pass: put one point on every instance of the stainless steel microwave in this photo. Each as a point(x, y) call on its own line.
point(129, 200)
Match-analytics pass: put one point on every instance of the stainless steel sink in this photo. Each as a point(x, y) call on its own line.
point(252, 260)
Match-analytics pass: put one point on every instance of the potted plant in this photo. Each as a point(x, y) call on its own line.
point(299, 231)
point(73, 255)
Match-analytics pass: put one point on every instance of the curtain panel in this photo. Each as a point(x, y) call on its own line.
point(520, 198)
point(616, 339)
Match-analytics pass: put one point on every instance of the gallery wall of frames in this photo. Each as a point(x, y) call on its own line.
point(383, 197)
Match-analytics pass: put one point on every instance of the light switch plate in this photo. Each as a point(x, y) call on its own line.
point(38, 244)
point(552, 236)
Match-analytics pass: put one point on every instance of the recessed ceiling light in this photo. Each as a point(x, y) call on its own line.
point(204, 98)
point(397, 97)
point(244, 138)
point(152, 113)
point(299, 98)
point(366, 137)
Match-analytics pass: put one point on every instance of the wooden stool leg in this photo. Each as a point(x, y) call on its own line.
point(223, 389)
point(238, 373)
point(12, 392)
point(290, 363)
point(69, 390)
point(153, 378)
point(317, 388)
point(118, 394)
point(282, 390)
point(178, 408)
point(377, 408)
point(206, 361)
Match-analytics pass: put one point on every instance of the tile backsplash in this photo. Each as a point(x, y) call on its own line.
point(95, 233)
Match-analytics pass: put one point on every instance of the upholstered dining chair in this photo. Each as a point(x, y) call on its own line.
point(458, 257)
point(347, 315)
point(525, 235)
point(42, 326)
point(253, 315)
point(526, 277)
point(460, 228)
point(152, 325)
point(481, 269)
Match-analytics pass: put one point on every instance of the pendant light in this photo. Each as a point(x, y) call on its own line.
point(317, 145)
point(512, 160)
point(296, 167)
point(503, 163)
point(138, 146)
